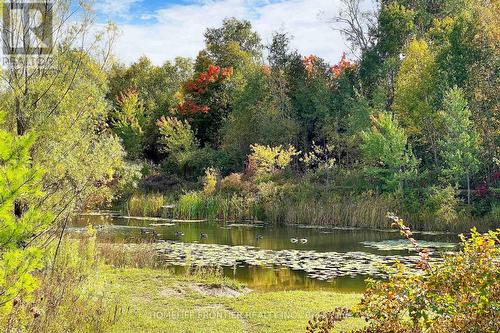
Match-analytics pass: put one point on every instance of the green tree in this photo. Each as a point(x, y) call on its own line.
point(128, 123)
point(389, 158)
point(230, 50)
point(232, 45)
point(459, 142)
point(466, 41)
point(261, 114)
point(178, 141)
point(347, 115)
point(395, 28)
point(416, 98)
point(81, 156)
point(311, 94)
point(20, 182)
point(157, 88)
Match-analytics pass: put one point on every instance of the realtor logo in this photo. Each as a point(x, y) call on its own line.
point(27, 27)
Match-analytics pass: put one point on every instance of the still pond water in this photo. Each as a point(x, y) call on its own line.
point(285, 257)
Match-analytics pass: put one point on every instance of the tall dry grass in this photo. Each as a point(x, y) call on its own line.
point(64, 300)
point(121, 255)
point(351, 212)
point(362, 213)
point(358, 211)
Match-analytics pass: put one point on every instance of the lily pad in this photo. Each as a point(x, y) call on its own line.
point(317, 265)
point(401, 245)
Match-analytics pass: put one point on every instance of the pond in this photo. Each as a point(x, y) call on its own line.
point(271, 257)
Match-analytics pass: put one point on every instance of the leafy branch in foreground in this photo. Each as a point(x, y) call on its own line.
point(462, 294)
point(19, 186)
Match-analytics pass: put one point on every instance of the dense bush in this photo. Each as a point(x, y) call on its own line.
point(461, 294)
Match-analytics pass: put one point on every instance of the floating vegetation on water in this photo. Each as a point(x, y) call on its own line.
point(107, 228)
point(401, 245)
point(140, 218)
point(306, 226)
point(162, 224)
point(111, 213)
point(188, 221)
point(433, 233)
point(245, 225)
point(332, 229)
point(158, 219)
point(317, 265)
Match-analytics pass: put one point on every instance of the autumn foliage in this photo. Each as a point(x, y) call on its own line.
point(200, 85)
point(311, 63)
point(130, 92)
point(460, 293)
point(343, 65)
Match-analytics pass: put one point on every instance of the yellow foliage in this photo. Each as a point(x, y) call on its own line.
point(210, 181)
point(268, 160)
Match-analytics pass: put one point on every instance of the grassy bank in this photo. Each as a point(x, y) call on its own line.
point(108, 288)
point(286, 200)
point(335, 211)
point(354, 212)
point(159, 301)
point(152, 298)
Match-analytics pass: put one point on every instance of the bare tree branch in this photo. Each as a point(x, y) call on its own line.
point(355, 25)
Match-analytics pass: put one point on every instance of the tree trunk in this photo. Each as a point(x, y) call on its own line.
point(468, 188)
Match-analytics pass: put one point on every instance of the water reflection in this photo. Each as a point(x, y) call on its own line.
point(282, 278)
point(268, 237)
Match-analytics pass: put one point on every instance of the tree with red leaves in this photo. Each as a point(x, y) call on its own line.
point(205, 102)
point(197, 89)
point(343, 65)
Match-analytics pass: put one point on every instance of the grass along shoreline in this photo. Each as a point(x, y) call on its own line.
point(364, 212)
point(156, 300)
point(102, 288)
point(153, 298)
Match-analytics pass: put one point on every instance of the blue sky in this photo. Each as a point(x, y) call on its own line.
point(164, 29)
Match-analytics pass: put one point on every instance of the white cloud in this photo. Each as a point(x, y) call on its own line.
point(178, 29)
point(115, 7)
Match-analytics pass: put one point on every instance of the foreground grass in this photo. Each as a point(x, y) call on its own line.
point(155, 300)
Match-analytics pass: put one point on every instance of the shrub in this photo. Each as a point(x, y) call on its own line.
point(63, 302)
point(461, 294)
point(159, 182)
point(179, 142)
point(177, 136)
point(232, 183)
point(210, 181)
point(443, 204)
point(320, 160)
point(267, 160)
